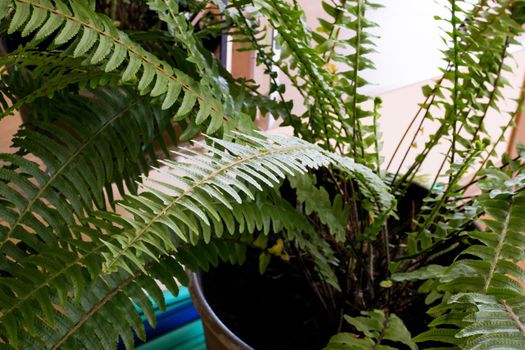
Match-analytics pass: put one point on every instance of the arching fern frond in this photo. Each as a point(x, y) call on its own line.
point(495, 323)
point(490, 278)
point(82, 156)
point(346, 58)
point(58, 283)
point(103, 301)
point(206, 184)
point(94, 36)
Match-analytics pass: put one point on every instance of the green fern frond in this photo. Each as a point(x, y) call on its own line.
point(63, 278)
point(79, 159)
point(372, 329)
point(92, 35)
point(496, 323)
point(334, 213)
point(496, 267)
point(205, 185)
point(475, 60)
point(488, 276)
point(207, 66)
point(348, 16)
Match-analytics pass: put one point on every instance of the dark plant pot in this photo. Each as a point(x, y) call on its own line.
point(218, 336)
point(229, 284)
point(242, 309)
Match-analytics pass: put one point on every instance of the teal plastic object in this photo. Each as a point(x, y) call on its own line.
point(187, 337)
point(178, 327)
point(184, 294)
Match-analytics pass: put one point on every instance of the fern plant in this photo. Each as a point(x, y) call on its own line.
point(86, 235)
point(482, 294)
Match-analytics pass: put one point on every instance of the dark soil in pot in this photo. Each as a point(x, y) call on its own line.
point(277, 310)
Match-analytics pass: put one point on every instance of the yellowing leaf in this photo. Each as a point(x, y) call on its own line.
point(277, 248)
point(330, 67)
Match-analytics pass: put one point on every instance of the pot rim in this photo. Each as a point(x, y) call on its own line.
point(211, 320)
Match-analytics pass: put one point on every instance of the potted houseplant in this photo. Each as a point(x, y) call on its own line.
point(368, 242)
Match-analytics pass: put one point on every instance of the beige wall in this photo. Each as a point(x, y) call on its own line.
point(8, 127)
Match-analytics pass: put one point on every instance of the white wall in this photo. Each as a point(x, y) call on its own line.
point(409, 43)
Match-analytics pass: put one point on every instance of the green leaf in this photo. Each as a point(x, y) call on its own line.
point(264, 261)
point(4, 8)
point(187, 106)
point(88, 39)
point(52, 24)
point(21, 15)
point(373, 327)
point(38, 17)
point(174, 89)
point(118, 56)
